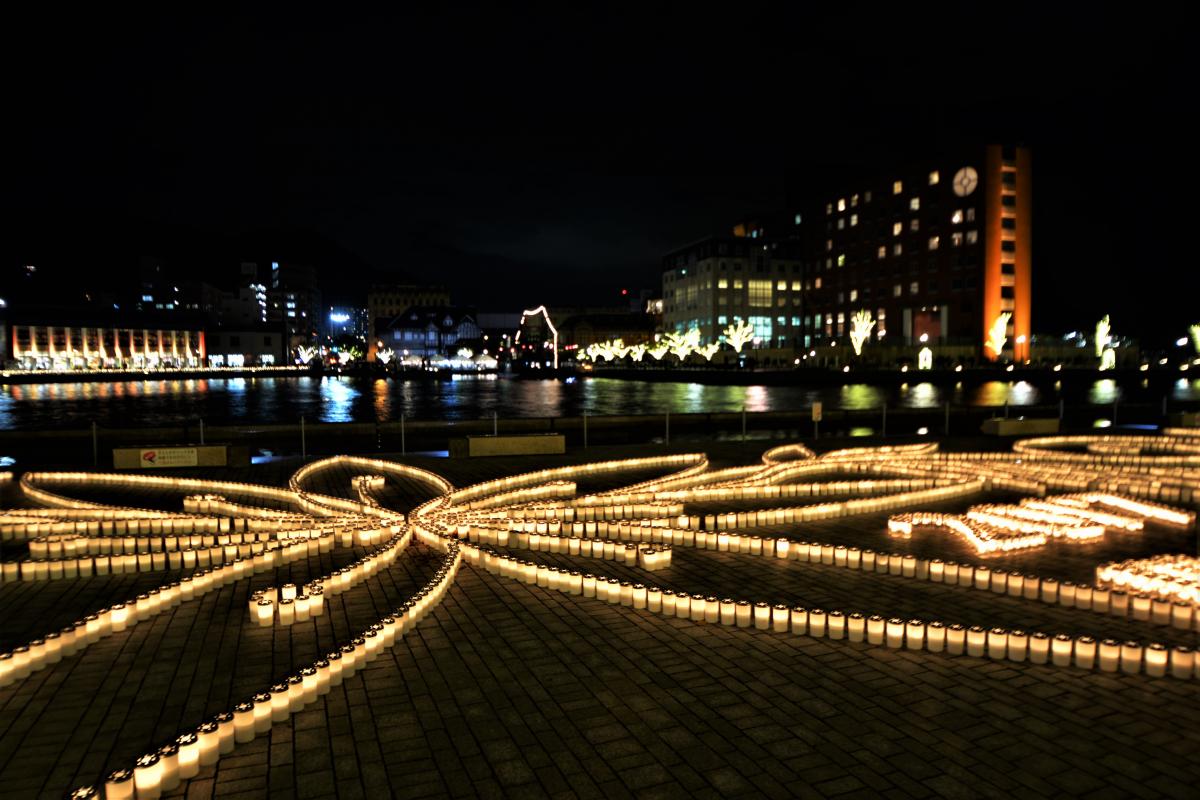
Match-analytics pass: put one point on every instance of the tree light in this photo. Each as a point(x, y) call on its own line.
point(860, 329)
point(738, 334)
point(998, 333)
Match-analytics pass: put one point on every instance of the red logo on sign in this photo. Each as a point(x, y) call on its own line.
point(149, 455)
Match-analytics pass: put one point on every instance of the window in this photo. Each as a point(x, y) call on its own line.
point(853, 220)
point(841, 259)
point(1008, 269)
point(897, 249)
point(817, 283)
point(1007, 292)
point(914, 287)
point(797, 219)
point(882, 326)
point(828, 209)
point(1008, 200)
point(897, 187)
point(760, 293)
point(933, 242)
point(841, 204)
point(781, 321)
point(853, 295)
point(957, 238)
point(896, 228)
point(828, 245)
point(841, 223)
point(722, 320)
point(957, 217)
point(882, 251)
point(829, 263)
point(914, 204)
point(737, 283)
point(934, 178)
point(971, 214)
point(854, 201)
point(897, 290)
point(1008, 224)
point(1008, 247)
point(795, 322)
point(722, 283)
point(795, 286)
point(841, 297)
point(762, 327)
point(866, 197)
point(972, 237)
point(722, 300)
point(914, 224)
point(781, 286)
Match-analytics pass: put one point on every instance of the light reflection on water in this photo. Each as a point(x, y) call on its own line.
point(338, 399)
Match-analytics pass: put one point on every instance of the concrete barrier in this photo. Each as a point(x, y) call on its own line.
point(533, 444)
point(999, 426)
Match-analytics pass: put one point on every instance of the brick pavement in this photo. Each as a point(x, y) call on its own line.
point(512, 690)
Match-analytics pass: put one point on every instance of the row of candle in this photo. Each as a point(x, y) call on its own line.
point(163, 769)
point(592, 513)
point(539, 477)
point(1155, 659)
point(1174, 577)
point(543, 491)
point(1160, 451)
point(59, 546)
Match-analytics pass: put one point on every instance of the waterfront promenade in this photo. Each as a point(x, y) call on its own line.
point(519, 691)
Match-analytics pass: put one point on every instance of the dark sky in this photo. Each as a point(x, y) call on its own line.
point(559, 155)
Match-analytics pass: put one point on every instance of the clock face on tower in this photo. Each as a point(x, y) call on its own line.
point(965, 181)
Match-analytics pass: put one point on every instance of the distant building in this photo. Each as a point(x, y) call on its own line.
point(713, 282)
point(940, 250)
point(294, 300)
point(581, 330)
point(429, 331)
point(387, 301)
point(346, 321)
point(249, 346)
point(48, 341)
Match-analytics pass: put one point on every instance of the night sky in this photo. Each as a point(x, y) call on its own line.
point(556, 157)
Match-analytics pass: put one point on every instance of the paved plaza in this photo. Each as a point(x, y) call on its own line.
point(512, 690)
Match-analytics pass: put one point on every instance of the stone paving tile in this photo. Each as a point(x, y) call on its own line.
point(514, 691)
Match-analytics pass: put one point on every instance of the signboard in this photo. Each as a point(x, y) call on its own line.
point(151, 457)
point(816, 412)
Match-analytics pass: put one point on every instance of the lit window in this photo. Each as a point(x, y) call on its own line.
point(829, 263)
point(853, 220)
point(842, 204)
point(957, 238)
point(970, 214)
point(722, 283)
point(737, 283)
point(854, 201)
point(147, 298)
point(914, 225)
point(722, 320)
point(828, 209)
point(866, 197)
point(914, 287)
point(828, 245)
point(795, 286)
point(841, 223)
point(914, 204)
point(897, 249)
point(797, 219)
point(897, 290)
point(957, 217)
point(760, 293)
point(853, 295)
point(882, 327)
point(934, 178)
point(897, 187)
point(972, 237)
point(933, 242)
point(795, 322)
point(896, 228)
point(781, 286)
point(882, 251)
point(817, 283)
point(841, 259)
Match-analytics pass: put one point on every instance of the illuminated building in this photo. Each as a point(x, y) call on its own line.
point(107, 345)
point(943, 249)
point(428, 331)
point(346, 321)
point(747, 275)
point(386, 302)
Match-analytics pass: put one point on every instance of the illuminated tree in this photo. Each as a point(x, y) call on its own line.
point(860, 330)
point(385, 355)
point(738, 334)
point(709, 350)
point(998, 333)
point(349, 354)
point(637, 351)
point(680, 345)
point(305, 354)
point(658, 350)
point(925, 358)
point(1103, 335)
point(1195, 333)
